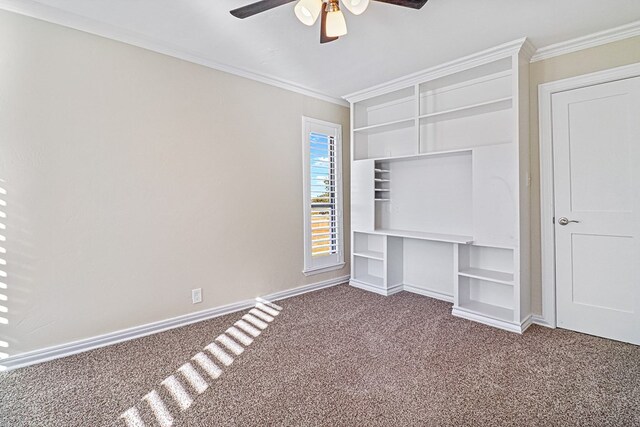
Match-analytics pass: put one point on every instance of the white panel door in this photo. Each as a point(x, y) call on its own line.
point(596, 146)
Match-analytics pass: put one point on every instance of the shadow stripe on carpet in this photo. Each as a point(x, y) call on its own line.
point(152, 408)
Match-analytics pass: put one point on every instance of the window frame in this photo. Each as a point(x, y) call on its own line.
point(334, 261)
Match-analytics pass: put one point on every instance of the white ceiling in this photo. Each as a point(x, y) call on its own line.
point(383, 43)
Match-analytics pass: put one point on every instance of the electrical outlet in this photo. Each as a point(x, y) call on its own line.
point(196, 295)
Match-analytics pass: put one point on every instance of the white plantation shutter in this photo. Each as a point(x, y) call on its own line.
point(323, 199)
point(324, 232)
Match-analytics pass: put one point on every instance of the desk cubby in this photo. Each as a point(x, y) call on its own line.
point(440, 175)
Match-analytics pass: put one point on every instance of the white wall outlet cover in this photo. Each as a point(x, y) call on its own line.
point(196, 295)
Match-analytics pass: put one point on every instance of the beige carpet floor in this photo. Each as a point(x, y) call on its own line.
point(339, 357)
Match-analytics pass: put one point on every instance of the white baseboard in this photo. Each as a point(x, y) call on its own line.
point(537, 319)
point(496, 323)
point(376, 290)
point(428, 293)
point(75, 347)
point(306, 288)
point(395, 289)
point(399, 288)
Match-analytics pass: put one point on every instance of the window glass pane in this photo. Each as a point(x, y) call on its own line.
point(323, 195)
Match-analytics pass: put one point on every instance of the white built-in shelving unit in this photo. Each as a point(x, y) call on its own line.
point(440, 186)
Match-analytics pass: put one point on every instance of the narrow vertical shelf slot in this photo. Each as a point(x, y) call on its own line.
point(382, 182)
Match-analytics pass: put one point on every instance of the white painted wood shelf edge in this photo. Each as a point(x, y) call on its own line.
point(370, 254)
point(436, 237)
point(387, 126)
point(420, 155)
point(490, 275)
point(493, 105)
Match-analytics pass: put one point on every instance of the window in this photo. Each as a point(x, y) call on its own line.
point(322, 168)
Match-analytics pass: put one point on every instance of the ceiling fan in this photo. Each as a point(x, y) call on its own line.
point(332, 23)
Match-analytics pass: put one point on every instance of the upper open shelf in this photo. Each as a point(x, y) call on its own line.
point(386, 127)
point(468, 110)
point(384, 109)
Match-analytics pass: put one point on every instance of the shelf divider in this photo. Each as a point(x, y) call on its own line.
point(490, 275)
point(386, 127)
point(489, 106)
point(489, 310)
point(370, 254)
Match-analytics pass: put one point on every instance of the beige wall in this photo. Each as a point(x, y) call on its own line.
point(133, 177)
point(599, 58)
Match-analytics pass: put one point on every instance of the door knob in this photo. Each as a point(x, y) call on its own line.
point(564, 221)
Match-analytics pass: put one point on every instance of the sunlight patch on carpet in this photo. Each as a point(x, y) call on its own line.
point(192, 379)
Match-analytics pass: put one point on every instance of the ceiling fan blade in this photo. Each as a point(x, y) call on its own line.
point(257, 7)
point(414, 4)
point(324, 38)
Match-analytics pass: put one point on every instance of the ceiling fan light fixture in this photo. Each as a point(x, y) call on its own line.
point(307, 11)
point(336, 24)
point(356, 6)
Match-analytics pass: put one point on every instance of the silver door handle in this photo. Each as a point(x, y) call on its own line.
point(565, 221)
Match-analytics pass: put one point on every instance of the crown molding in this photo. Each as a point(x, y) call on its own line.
point(53, 15)
point(447, 68)
point(592, 40)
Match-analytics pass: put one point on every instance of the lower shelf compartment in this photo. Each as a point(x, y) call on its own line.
point(370, 280)
point(488, 310)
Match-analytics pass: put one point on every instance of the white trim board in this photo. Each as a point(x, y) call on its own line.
point(476, 59)
point(592, 40)
point(496, 323)
point(538, 320)
point(376, 290)
point(50, 353)
point(67, 19)
point(428, 293)
point(547, 208)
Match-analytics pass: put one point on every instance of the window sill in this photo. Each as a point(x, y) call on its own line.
point(312, 271)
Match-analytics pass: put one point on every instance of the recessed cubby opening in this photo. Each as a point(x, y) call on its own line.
point(387, 108)
point(487, 259)
point(479, 85)
point(488, 298)
point(465, 87)
point(395, 256)
point(484, 125)
point(369, 271)
point(382, 182)
point(431, 194)
point(368, 245)
point(398, 139)
point(428, 265)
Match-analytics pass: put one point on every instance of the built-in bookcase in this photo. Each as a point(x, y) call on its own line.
point(440, 186)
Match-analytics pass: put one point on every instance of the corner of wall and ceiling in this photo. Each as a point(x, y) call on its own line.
point(53, 15)
point(585, 42)
point(37, 10)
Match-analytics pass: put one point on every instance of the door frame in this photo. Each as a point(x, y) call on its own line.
point(547, 208)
